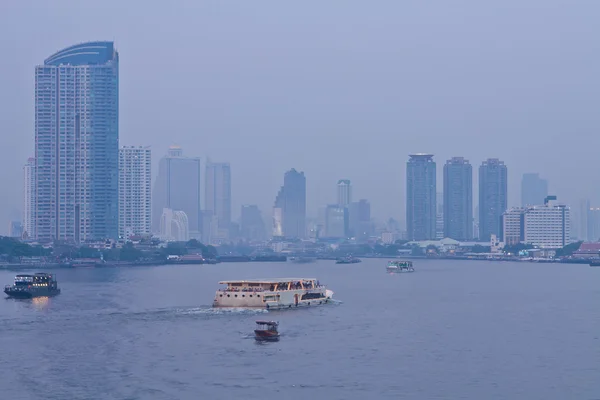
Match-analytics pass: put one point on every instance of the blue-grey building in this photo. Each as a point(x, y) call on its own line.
point(493, 197)
point(289, 211)
point(458, 199)
point(77, 144)
point(421, 197)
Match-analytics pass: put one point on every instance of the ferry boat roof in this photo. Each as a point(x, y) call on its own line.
point(271, 323)
point(276, 280)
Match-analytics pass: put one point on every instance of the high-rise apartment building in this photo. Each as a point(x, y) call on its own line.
point(177, 187)
point(135, 180)
point(458, 199)
point(29, 198)
point(493, 188)
point(533, 190)
point(421, 197)
point(218, 194)
point(336, 221)
point(77, 144)
point(289, 211)
point(344, 192)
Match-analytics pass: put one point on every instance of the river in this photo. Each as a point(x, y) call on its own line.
point(451, 330)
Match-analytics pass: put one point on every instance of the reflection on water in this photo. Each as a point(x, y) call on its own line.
point(40, 303)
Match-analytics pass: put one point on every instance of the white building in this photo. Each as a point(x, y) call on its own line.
point(135, 208)
point(174, 225)
point(28, 197)
point(547, 226)
point(512, 229)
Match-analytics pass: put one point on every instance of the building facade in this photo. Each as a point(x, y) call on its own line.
point(174, 226)
point(77, 144)
point(289, 211)
point(135, 194)
point(533, 190)
point(421, 197)
point(458, 199)
point(512, 226)
point(336, 221)
point(177, 187)
point(29, 198)
point(493, 200)
point(217, 194)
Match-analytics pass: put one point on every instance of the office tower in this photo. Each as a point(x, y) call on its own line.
point(360, 220)
point(218, 194)
point(458, 199)
point(344, 193)
point(28, 198)
point(583, 219)
point(420, 197)
point(533, 190)
point(77, 144)
point(135, 180)
point(177, 187)
point(492, 197)
point(174, 225)
point(289, 211)
point(252, 226)
point(336, 221)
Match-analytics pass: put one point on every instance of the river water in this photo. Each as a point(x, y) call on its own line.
point(451, 330)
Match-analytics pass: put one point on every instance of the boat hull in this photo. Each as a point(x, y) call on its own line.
point(266, 336)
point(29, 294)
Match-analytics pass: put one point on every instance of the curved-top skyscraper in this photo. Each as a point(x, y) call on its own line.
point(77, 143)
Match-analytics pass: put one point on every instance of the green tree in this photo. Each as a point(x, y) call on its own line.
point(568, 250)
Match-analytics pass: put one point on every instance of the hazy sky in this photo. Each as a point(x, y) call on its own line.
point(337, 89)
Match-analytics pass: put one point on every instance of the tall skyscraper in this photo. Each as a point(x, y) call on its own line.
point(420, 197)
point(289, 211)
point(458, 199)
point(77, 143)
point(29, 197)
point(336, 221)
point(533, 190)
point(344, 193)
point(135, 180)
point(218, 193)
point(177, 187)
point(493, 188)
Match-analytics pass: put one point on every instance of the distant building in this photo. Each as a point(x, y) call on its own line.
point(336, 221)
point(77, 144)
point(218, 194)
point(359, 220)
point(135, 195)
point(174, 225)
point(458, 199)
point(252, 226)
point(344, 193)
point(29, 197)
point(15, 229)
point(421, 197)
point(289, 211)
point(593, 224)
point(177, 187)
point(493, 188)
point(546, 226)
point(439, 216)
point(533, 190)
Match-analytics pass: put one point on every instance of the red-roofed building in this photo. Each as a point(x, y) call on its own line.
point(588, 250)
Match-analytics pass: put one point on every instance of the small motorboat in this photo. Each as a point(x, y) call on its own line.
point(266, 331)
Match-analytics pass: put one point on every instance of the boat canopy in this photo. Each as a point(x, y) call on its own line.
point(268, 281)
point(270, 323)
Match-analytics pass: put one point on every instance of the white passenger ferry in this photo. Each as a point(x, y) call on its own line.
point(272, 293)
